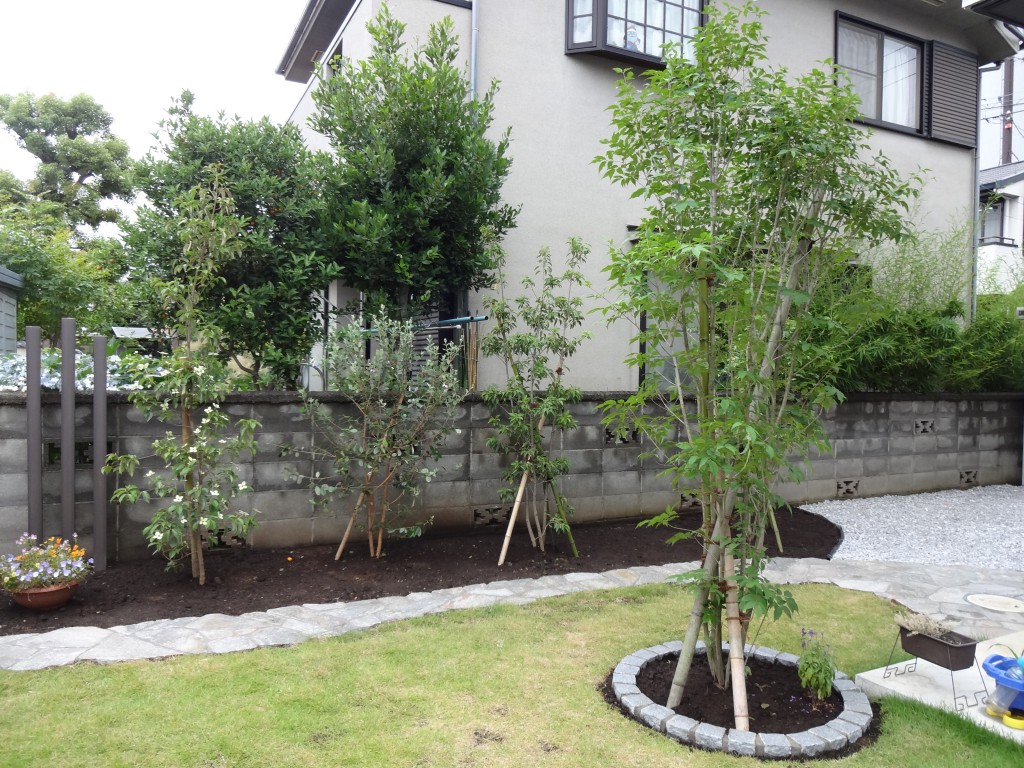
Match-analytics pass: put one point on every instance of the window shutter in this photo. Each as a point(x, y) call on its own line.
point(953, 95)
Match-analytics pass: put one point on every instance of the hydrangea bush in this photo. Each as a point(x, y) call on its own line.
point(124, 374)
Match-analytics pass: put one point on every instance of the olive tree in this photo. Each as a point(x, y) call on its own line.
point(758, 188)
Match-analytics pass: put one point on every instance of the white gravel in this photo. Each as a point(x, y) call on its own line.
point(980, 527)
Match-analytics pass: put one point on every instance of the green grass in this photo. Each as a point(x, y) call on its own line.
point(505, 686)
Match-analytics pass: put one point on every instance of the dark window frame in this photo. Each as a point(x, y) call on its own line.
point(922, 75)
point(994, 203)
point(948, 82)
point(598, 44)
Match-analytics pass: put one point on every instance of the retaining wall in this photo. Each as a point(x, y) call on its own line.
point(882, 444)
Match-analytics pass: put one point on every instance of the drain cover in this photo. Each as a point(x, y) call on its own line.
point(997, 603)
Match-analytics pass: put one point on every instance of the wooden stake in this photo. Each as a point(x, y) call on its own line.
point(736, 661)
point(512, 518)
point(348, 528)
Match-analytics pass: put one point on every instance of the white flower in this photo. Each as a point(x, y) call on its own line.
point(215, 492)
point(150, 473)
point(242, 486)
point(178, 499)
point(157, 535)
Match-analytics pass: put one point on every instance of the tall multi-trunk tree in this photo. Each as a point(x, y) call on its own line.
point(759, 188)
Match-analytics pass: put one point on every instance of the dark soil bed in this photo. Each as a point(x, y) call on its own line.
point(242, 580)
point(775, 700)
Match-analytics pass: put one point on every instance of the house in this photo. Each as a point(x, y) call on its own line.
point(1001, 229)
point(914, 62)
point(10, 285)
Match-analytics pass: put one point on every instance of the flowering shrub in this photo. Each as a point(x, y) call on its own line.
point(55, 561)
point(201, 478)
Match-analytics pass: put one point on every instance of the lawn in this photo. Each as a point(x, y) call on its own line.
point(503, 686)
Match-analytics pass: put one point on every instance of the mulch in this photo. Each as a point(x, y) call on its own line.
point(240, 580)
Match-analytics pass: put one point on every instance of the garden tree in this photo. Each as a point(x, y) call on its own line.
point(60, 280)
point(11, 187)
point(405, 402)
point(534, 335)
point(65, 275)
point(758, 187)
point(265, 301)
point(413, 180)
point(82, 165)
point(201, 475)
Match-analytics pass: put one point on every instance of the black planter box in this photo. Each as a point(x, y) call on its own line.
point(952, 651)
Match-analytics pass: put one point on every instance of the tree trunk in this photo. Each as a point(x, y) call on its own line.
point(682, 672)
point(198, 564)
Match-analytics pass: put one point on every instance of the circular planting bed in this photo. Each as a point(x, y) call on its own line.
point(852, 721)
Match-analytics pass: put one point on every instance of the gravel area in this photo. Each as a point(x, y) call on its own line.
point(980, 527)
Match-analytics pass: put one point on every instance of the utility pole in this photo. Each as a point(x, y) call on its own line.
point(1007, 142)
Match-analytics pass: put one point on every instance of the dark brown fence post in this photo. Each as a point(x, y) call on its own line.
point(33, 406)
point(67, 427)
point(99, 451)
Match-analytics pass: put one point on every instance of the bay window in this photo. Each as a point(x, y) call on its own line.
point(631, 30)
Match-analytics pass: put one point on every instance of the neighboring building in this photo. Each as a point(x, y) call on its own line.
point(914, 62)
point(10, 286)
point(1001, 229)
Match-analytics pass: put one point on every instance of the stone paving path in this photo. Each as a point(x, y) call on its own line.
point(935, 590)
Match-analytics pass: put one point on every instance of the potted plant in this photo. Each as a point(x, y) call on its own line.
point(44, 576)
point(932, 641)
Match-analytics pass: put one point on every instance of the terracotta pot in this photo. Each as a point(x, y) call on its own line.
point(952, 650)
point(45, 598)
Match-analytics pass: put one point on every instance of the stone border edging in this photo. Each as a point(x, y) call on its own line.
point(846, 729)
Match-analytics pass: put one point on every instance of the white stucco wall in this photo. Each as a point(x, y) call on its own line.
point(556, 105)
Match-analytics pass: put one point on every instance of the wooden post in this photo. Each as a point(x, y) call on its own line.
point(67, 427)
point(33, 345)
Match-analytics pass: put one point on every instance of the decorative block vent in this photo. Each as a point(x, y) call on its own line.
point(924, 427)
point(83, 452)
point(846, 488)
point(485, 516)
point(221, 538)
point(631, 437)
point(689, 501)
point(968, 478)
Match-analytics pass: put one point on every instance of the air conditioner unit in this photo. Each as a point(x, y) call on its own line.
point(1020, 313)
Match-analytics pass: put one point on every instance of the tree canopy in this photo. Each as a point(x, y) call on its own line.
point(61, 278)
point(414, 180)
point(82, 164)
point(264, 299)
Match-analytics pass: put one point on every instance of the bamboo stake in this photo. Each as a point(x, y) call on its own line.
point(348, 528)
point(736, 661)
point(512, 518)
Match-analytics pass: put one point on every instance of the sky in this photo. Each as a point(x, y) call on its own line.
point(134, 56)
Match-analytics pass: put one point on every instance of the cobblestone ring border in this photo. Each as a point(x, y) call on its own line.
point(845, 729)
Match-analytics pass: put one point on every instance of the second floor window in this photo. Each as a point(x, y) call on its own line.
point(885, 71)
point(631, 29)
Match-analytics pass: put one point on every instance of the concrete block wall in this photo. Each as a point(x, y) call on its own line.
point(881, 444)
